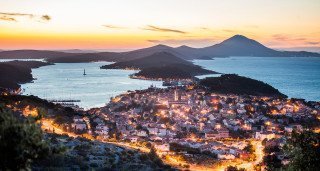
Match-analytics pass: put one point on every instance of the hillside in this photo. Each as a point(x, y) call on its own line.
point(234, 84)
point(161, 65)
point(179, 71)
point(33, 54)
point(116, 56)
point(155, 60)
point(239, 45)
point(14, 73)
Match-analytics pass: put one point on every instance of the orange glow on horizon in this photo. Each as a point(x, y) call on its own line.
point(125, 24)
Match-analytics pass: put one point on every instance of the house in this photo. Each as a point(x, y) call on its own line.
point(296, 127)
point(211, 135)
point(162, 147)
point(264, 135)
point(162, 132)
point(77, 119)
point(79, 126)
point(102, 130)
point(153, 130)
point(223, 133)
point(226, 156)
point(141, 133)
point(133, 138)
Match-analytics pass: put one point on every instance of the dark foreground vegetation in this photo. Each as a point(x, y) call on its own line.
point(234, 84)
point(24, 146)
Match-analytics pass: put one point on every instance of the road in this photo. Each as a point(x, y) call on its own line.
point(47, 124)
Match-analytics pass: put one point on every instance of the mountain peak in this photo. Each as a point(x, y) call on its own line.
point(238, 40)
point(161, 46)
point(184, 47)
point(238, 37)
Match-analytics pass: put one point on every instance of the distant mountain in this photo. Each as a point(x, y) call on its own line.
point(308, 49)
point(32, 54)
point(161, 65)
point(158, 59)
point(237, 45)
point(151, 50)
point(189, 53)
point(115, 56)
point(77, 51)
point(87, 57)
point(234, 84)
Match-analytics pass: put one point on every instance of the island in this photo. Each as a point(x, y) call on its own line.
point(235, 84)
point(161, 65)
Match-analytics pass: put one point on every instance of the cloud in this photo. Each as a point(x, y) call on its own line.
point(9, 16)
point(6, 18)
point(204, 28)
point(313, 43)
point(160, 29)
point(199, 41)
point(112, 26)
point(229, 30)
point(283, 37)
point(46, 17)
point(16, 14)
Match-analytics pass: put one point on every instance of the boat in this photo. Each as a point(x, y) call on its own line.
point(84, 72)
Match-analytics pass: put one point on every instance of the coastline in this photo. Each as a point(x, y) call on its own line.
point(15, 73)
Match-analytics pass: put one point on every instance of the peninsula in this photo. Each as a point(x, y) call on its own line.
point(234, 84)
point(14, 73)
point(161, 65)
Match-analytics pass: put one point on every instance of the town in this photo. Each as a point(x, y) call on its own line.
point(189, 127)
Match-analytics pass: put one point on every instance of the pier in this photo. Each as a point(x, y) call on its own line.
point(65, 101)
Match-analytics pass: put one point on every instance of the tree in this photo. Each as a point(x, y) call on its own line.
point(303, 149)
point(234, 168)
point(272, 162)
point(21, 143)
point(249, 148)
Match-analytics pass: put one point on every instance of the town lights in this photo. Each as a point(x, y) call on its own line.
point(268, 123)
point(218, 126)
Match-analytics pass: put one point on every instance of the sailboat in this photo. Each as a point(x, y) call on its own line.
point(84, 72)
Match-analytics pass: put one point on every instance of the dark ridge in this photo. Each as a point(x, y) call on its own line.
point(161, 65)
point(33, 54)
point(240, 45)
point(14, 73)
point(87, 57)
point(237, 45)
point(178, 71)
point(205, 58)
point(155, 60)
point(234, 84)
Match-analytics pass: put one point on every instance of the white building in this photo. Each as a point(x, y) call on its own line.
point(142, 133)
point(162, 147)
point(264, 135)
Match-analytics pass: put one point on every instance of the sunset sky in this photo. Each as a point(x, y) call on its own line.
point(130, 24)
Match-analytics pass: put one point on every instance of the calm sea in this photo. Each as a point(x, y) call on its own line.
point(294, 76)
point(66, 81)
